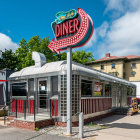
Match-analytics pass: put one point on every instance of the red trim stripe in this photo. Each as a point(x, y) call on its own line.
point(32, 106)
point(52, 107)
point(3, 80)
point(56, 107)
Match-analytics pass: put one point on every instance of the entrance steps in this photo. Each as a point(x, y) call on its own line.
point(122, 111)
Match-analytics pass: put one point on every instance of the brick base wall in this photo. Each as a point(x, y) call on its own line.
point(23, 124)
point(97, 117)
point(75, 124)
point(11, 117)
point(44, 123)
point(64, 124)
point(31, 125)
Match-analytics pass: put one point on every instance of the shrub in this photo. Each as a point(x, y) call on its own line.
point(36, 129)
point(2, 113)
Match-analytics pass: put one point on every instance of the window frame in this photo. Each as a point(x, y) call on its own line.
point(91, 84)
point(108, 87)
point(102, 67)
point(133, 67)
point(133, 73)
point(13, 96)
point(112, 66)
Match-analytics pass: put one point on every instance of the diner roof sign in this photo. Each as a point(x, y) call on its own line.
point(72, 28)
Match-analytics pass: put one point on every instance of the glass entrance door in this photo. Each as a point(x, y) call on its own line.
point(43, 96)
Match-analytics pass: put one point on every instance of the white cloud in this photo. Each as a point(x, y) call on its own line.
point(102, 30)
point(122, 6)
point(7, 43)
point(114, 5)
point(92, 40)
point(122, 38)
point(98, 33)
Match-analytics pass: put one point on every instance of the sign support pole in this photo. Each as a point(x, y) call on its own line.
point(69, 90)
point(65, 39)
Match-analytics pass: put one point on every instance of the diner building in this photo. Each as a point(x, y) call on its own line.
point(42, 90)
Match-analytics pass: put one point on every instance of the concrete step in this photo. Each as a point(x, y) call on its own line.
point(121, 111)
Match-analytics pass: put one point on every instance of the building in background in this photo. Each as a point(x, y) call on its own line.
point(4, 96)
point(2, 88)
point(8, 72)
point(126, 67)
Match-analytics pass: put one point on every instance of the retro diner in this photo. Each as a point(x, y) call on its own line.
point(41, 90)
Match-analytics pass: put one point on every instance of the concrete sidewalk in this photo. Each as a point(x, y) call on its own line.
point(9, 133)
point(119, 128)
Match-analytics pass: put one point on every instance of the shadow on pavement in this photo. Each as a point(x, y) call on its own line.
point(124, 125)
point(90, 136)
point(109, 119)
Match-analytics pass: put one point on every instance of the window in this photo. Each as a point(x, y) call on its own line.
point(19, 89)
point(113, 65)
point(124, 75)
point(133, 73)
point(114, 73)
point(102, 67)
point(133, 65)
point(42, 94)
point(54, 80)
point(31, 87)
point(108, 90)
point(86, 88)
point(131, 91)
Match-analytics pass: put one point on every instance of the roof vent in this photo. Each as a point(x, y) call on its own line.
point(108, 55)
point(39, 59)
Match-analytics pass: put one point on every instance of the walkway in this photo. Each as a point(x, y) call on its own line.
point(9, 133)
point(118, 127)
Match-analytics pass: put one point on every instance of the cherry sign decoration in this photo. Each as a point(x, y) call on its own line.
point(71, 28)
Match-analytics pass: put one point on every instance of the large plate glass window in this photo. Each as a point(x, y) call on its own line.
point(108, 90)
point(86, 88)
point(31, 87)
point(19, 89)
point(54, 83)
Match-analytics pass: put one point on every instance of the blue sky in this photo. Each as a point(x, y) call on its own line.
point(116, 23)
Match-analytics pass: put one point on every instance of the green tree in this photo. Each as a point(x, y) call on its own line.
point(24, 52)
point(82, 56)
point(21, 53)
point(78, 56)
point(23, 56)
point(8, 60)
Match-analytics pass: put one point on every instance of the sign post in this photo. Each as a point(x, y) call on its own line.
point(69, 90)
point(72, 29)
